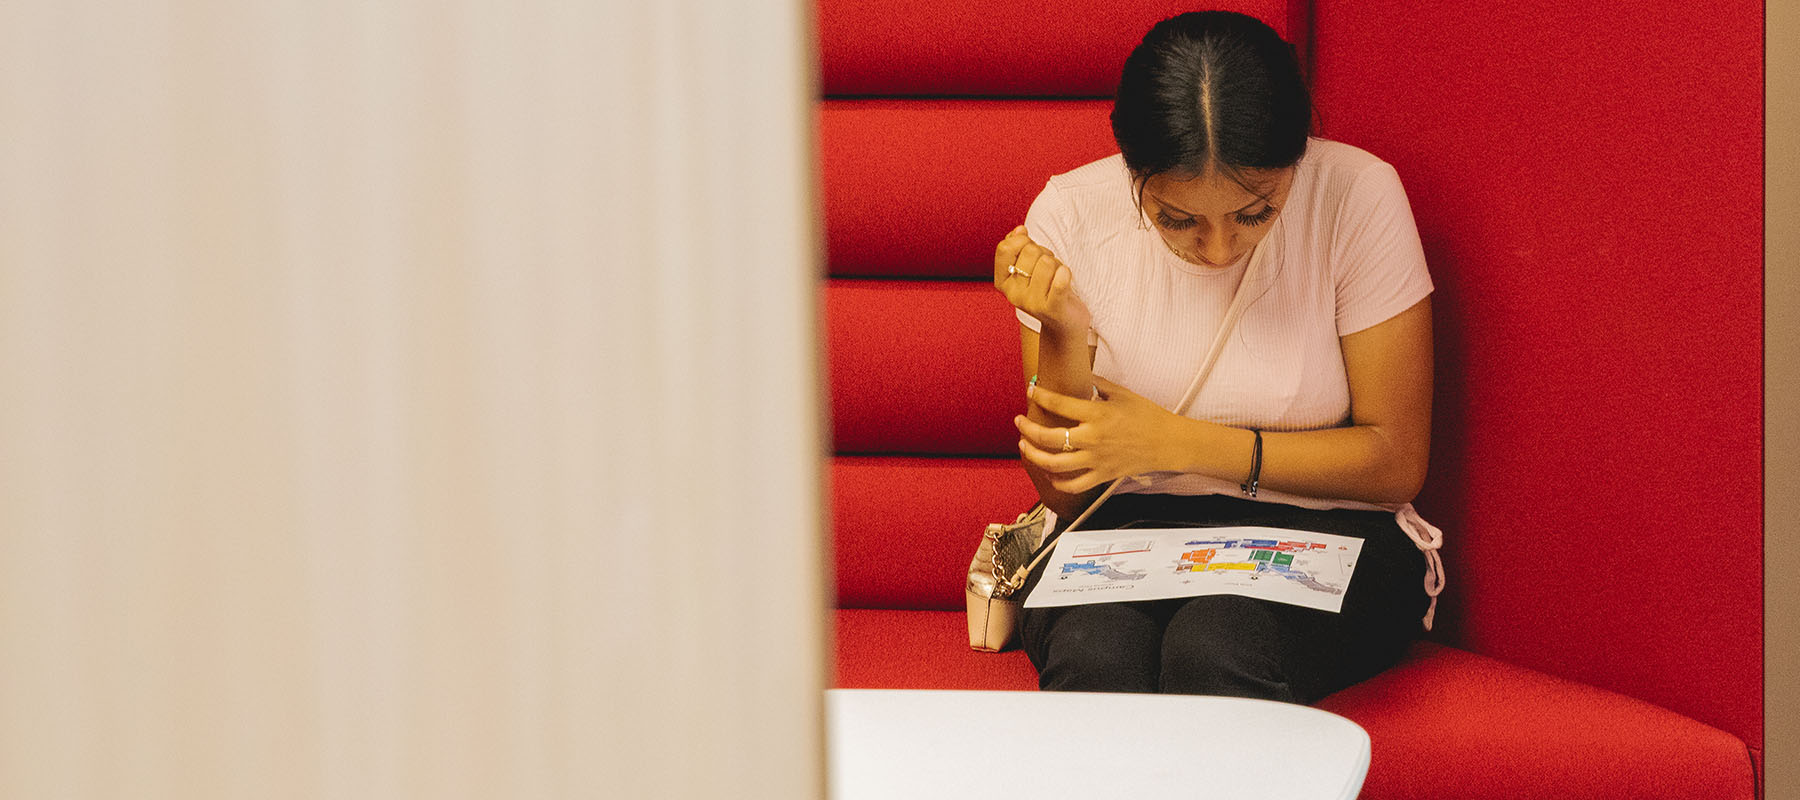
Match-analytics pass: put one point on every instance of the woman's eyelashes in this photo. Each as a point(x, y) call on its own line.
point(1173, 224)
point(1183, 223)
point(1259, 218)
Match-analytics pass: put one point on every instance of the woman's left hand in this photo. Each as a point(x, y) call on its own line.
point(1120, 434)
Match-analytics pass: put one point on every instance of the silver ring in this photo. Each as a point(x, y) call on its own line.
point(1013, 269)
point(1067, 446)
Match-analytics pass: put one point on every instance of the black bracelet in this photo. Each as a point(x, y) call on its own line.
point(1249, 486)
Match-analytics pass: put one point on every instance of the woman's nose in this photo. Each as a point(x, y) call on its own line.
point(1216, 250)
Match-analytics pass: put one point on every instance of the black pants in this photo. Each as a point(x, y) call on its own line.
point(1231, 645)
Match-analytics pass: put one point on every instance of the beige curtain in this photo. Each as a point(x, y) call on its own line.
point(408, 400)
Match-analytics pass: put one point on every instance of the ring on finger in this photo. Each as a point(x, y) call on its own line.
point(1013, 269)
point(1067, 445)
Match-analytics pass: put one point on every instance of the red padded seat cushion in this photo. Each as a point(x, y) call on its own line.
point(1001, 47)
point(1587, 179)
point(1443, 723)
point(928, 188)
point(1450, 723)
point(923, 367)
point(920, 650)
point(906, 527)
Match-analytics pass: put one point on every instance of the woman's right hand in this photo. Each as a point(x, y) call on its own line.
point(1036, 282)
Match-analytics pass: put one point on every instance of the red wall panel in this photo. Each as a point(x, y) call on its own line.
point(1001, 47)
point(1587, 179)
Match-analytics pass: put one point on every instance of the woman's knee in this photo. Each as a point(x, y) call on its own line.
point(1097, 649)
point(1225, 645)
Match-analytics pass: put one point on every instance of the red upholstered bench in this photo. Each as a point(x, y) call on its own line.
point(1599, 367)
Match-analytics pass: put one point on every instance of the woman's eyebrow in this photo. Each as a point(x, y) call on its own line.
point(1165, 204)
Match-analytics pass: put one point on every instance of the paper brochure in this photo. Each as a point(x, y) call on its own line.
point(1300, 568)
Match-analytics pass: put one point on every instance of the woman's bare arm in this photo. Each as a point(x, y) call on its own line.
point(1063, 363)
point(1380, 458)
point(1036, 282)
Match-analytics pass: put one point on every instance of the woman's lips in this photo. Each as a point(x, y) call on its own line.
point(1204, 261)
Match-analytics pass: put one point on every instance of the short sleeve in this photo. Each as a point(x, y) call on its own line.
point(1049, 222)
point(1378, 263)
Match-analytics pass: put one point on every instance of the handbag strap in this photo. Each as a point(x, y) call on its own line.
point(1239, 301)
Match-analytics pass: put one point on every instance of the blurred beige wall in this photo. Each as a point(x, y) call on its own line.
point(408, 400)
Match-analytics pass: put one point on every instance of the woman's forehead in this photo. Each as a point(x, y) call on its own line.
point(1214, 193)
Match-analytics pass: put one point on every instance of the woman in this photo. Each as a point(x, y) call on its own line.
point(1121, 276)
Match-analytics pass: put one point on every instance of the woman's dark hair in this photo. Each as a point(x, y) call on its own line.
point(1211, 88)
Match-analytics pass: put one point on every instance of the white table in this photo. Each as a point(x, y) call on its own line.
point(1047, 745)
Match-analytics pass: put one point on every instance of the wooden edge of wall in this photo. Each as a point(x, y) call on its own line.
point(1781, 408)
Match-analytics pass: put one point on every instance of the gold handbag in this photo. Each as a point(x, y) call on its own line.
point(993, 614)
point(1008, 553)
point(1004, 559)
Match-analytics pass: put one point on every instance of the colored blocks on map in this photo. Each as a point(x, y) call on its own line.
point(1198, 556)
point(1283, 559)
point(1261, 555)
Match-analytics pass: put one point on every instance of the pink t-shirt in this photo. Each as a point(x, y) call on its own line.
point(1343, 255)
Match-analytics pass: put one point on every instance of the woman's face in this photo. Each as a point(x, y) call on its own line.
point(1210, 221)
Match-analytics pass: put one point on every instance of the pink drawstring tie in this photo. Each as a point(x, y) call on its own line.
point(1429, 539)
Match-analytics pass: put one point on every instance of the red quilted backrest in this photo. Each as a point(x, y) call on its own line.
point(1587, 179)
point(925, 188)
